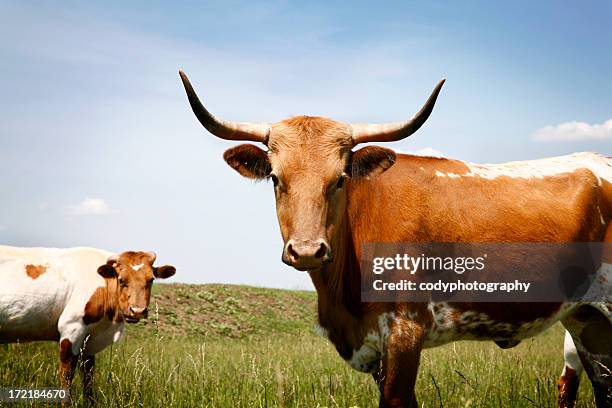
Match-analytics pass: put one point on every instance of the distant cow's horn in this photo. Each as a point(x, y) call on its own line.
point(256, 132)
point(390, 132)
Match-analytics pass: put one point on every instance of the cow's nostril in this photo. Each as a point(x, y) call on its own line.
point(321, 251)
point(292, 253)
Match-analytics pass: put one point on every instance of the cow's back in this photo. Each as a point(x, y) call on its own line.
point(40, 284)
point(561, 199)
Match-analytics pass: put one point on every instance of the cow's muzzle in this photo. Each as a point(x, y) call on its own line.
point(135, 314)
point(305, 255)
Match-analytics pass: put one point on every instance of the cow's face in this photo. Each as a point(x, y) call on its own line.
point(134, 274)
point(309, 161)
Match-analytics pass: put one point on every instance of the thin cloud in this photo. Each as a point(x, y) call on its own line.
point(572, 131)
point(91, 206)
point(426, 151)
point(429, 151)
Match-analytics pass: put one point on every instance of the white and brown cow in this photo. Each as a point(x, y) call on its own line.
point(79, 297)
point(570, 376)
point(331, 199)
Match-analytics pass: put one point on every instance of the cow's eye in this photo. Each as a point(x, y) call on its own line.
point(122, 282)
point(340, 182)
point(150, 282)
point(274, 179)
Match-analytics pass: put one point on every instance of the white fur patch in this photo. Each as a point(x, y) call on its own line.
point(449, 175)
point(599, 165)
point(601, 218)
point(137, 267)
point(321, 331)
point(570, 355)
point(473, 325)
point(367, 358)
point(601, 287)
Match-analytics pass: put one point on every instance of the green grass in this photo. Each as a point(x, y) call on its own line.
point(235, 346)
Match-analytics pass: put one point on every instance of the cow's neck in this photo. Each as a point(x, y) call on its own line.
point(111, 300)
point(338, 283)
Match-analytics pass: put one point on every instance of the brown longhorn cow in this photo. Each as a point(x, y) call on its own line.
point(331, 199)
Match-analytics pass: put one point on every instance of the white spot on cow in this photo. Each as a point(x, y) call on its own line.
point(137, 267)
point(450, 325)
point(367, 358)
point(570, 354)
point(321, 331)
point(600, 288)
point(412, 314)
point(118, 333)
point(449, 175)
point(601, 218)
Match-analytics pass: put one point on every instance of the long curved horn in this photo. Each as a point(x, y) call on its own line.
point(256, 132)
point(390, 132)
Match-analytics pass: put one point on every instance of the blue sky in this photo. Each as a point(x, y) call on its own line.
point(100, 148)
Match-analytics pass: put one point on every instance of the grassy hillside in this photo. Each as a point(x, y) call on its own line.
point(228, 311)
point(237, 346)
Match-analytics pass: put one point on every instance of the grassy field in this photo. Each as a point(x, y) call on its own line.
point(237, 346)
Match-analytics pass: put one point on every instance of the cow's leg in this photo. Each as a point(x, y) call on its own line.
point(383, 404)
point(570, 377)
point(591, 329)
point(399, 365)
point(87, 371)
point(68, 362)
point(72, 332)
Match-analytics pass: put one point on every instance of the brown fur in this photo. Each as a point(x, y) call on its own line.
point(94, 308)
point(248, 160)
point(568, 388)
point(34, 271)
point(65, 350)
point(68, 361)
point(103, 303)
point(308, 130)
point(371, 161)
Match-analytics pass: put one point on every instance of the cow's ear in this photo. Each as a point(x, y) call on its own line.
point(163, 272)
point(248, 160)
point(370, 161)
point(107, 271)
